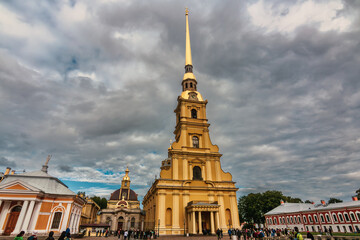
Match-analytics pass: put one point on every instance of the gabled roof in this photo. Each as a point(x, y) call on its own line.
point(308, 207)
point(38, 180)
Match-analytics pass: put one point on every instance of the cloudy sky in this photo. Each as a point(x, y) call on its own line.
point(95, 83)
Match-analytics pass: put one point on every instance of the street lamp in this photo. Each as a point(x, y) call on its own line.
point(158, 227)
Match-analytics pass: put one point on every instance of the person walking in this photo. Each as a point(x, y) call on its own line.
point(297, 234)
point(50, 237)
point(20, 236)
point(62, 236)
point(309, 235)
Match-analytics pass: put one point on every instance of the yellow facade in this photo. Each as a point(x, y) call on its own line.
point(89, 211)
point(193, 193)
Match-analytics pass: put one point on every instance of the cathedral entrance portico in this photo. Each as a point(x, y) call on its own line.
point(202, 217)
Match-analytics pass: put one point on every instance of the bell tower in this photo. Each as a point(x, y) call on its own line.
point(193, 193)
point(125, 183)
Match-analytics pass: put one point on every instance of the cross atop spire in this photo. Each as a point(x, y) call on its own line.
point(188, 59)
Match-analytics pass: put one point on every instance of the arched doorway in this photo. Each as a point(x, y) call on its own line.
point(120, 223)
point(13, 217)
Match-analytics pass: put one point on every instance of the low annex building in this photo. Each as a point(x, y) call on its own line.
point(339, 217)
point(37, 201)
point(123, 209)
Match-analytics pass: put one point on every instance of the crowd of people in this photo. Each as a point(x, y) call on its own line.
point(259, 233)
point(65, 235)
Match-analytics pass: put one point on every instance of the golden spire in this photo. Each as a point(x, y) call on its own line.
point(188, 59)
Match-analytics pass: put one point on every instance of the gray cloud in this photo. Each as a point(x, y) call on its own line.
point(6, 162)
point(96, 85)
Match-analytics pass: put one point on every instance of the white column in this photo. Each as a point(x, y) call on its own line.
point(203, 174)
point(3, 214)
point(212, 222)
point(200, 223)
point(28, 215)
point(190, 172)
point(20, 220)
point(193, 222)
point(66, 218)
point(35, 216)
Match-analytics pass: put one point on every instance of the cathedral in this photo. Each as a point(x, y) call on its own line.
point(193, 194)
point(123, 208)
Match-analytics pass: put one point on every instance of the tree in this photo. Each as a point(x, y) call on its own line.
point(102, 202)
point(308, 201)
point(253, 206)
point(358, 193)
point(334, 200)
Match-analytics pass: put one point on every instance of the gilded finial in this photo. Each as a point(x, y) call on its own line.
point(186, 11)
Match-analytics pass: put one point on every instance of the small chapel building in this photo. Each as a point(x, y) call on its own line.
point(37, 201)
point(123, 208)
point(193, 194)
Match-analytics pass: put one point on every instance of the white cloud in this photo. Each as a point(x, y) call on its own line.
point(287, 16)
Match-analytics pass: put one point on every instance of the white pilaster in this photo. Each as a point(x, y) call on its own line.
point(71, 224)
point(29, 212)
point(77, 223)
point(20, 220)
point(66, 218)
point(35, 216)
point(3, 214)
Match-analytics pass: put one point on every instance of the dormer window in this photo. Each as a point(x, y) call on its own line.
point(193, 113)
point(195, 142)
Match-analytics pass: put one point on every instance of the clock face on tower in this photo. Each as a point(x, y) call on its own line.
point(193, 96)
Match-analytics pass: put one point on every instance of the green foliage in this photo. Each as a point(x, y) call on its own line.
point(358, 193)
point(335, 200)
point(253, 206)
point(102, 202)
point(308, 201)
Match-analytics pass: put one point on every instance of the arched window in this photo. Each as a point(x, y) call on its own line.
point(56, 220)
point(168, 217)
point(310, 219)
point(315, 218)
point(197, 173)
point(195, 142)
point(191, 84)
point(352, 217)
point(291, 219)
point(305, 220)
point(346, 217)
point(358, 216)
point(133, 222)
point(193, 113)
point(124, 195)
point(334, 217)
point(299, 219)
point(16, 209)
point(327, 218)
point(185, 85)
point(322, 218)
point(341, 217)
point(275, 221)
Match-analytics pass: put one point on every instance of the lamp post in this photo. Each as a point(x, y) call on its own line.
point(158, 227)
